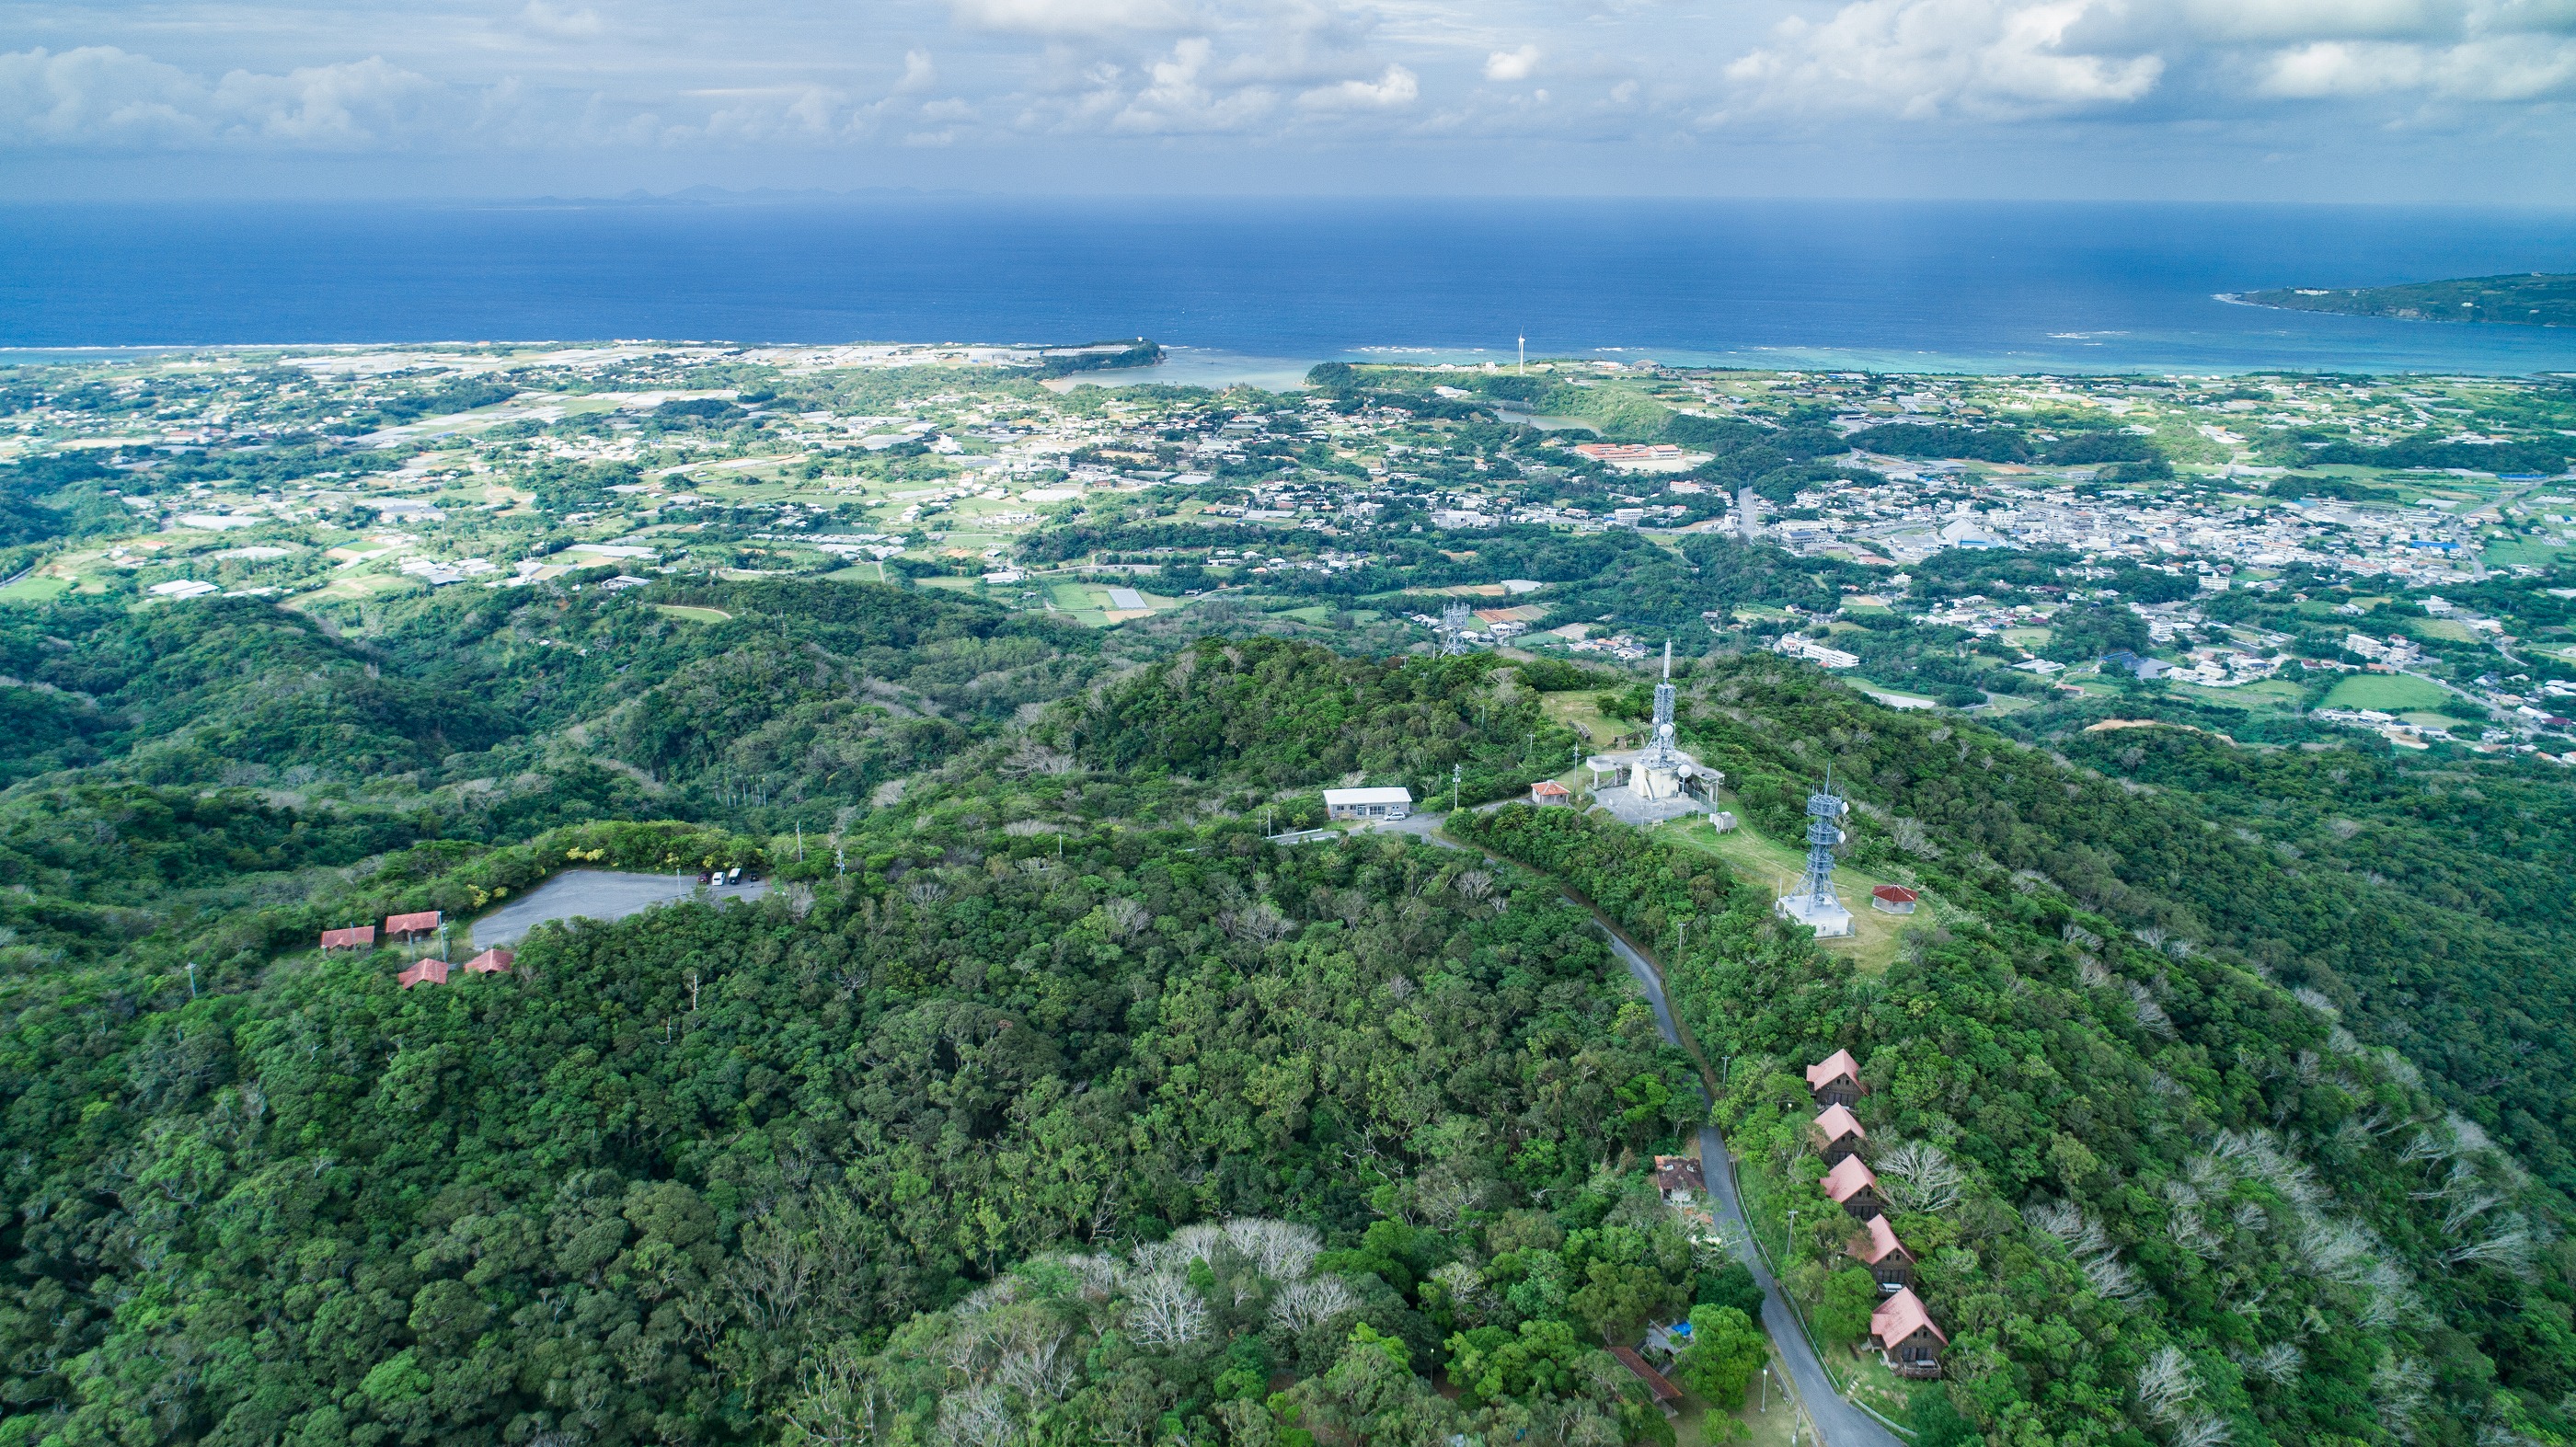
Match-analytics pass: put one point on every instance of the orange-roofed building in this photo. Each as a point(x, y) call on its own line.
point(1548, 791)
point(1906, 1338)
point(1854, 1187)
point(411, 926)
point(1835, 1080)
point(1876, 1247)
point(490, 962)
point(357, 938)
point(426, 972)
point(1837, 1134)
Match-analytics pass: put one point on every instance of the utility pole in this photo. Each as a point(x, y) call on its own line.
point(1457, 772)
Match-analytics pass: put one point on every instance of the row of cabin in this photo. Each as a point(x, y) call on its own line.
point(397, 927)
point(434, 972)
point(1901, 1329)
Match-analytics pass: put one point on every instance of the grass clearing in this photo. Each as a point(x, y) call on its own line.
point(1579, 710)
point(2387, 692)
point(1766, 863)
point(39, 589)
point(692, 613)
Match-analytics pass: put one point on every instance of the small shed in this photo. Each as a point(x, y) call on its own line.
point(1666, 1395)
point(1854, 1186)
point(1388, 803)
point(1549, 793)
point(490, 962)
point(424, 972)
point(1837, 1133)
point(1876, 1247)
point(1835, 1080)
point(357, 938)
point(411, 926)
point(1679, 1178)
point(1893, 899)
point(1906, 1339)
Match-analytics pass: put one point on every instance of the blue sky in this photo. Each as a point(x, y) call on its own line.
point(2379, 100)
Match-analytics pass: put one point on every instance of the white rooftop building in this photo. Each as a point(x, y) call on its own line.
point(1388, 803)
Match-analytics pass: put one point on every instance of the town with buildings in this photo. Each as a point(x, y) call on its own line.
point(2326, 547)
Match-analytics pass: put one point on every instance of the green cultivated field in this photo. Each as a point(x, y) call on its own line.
point(2389, 693)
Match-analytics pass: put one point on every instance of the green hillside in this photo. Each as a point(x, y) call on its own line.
point(1044, 1100)
point(2535, 299)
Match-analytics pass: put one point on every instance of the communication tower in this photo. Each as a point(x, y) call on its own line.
point(1660, 753)
point(1453, 628)
point(1815, 903)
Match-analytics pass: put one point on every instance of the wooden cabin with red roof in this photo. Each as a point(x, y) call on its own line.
point(1876, 1247)
point(1854, 1187)
point(424, 972)
point(360, 937)
point(1837, 1133)
point(411, 926)
point(490, 962)
point(1906, 1338)
point(1835, 1080)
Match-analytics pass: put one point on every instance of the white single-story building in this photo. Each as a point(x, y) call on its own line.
point(1391, 803)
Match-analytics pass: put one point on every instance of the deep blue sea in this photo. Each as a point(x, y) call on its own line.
point(1260, 289)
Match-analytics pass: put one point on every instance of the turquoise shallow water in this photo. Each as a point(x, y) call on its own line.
point(1261, 289)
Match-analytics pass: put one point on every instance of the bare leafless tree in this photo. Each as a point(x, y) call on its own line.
point(1317, 1299)
point(1920, 1176)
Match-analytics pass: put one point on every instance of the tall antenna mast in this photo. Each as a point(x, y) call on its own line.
point(1524, 354)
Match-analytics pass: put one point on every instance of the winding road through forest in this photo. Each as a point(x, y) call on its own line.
point(1837, 1421)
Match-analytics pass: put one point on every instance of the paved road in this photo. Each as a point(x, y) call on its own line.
point(1839, 1422)
point(603, 894)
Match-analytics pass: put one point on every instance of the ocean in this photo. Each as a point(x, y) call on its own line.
point(1259, 290)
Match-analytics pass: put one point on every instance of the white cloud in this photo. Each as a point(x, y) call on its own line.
point(1511, 65)
point(1397, 87)
point(918, 73)
point(1924, 59)
point(2524, 68)
point(101, 95)
point(1178, 99)
point(1072, 17)
point(561, 21)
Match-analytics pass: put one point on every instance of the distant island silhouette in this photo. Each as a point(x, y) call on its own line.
point(2527, 299)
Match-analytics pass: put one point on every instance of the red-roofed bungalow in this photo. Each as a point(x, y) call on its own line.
point(1893, 899)
point(490, 962)
point(1662, 1390)
point(1854, 1186)
point(1549, 791)
point(411, 926)
point(1835, 1080)
point(1906, 1338)
point(1837, 1134)
point(356, 938)
point(426, 972)
point(1876, 1247)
